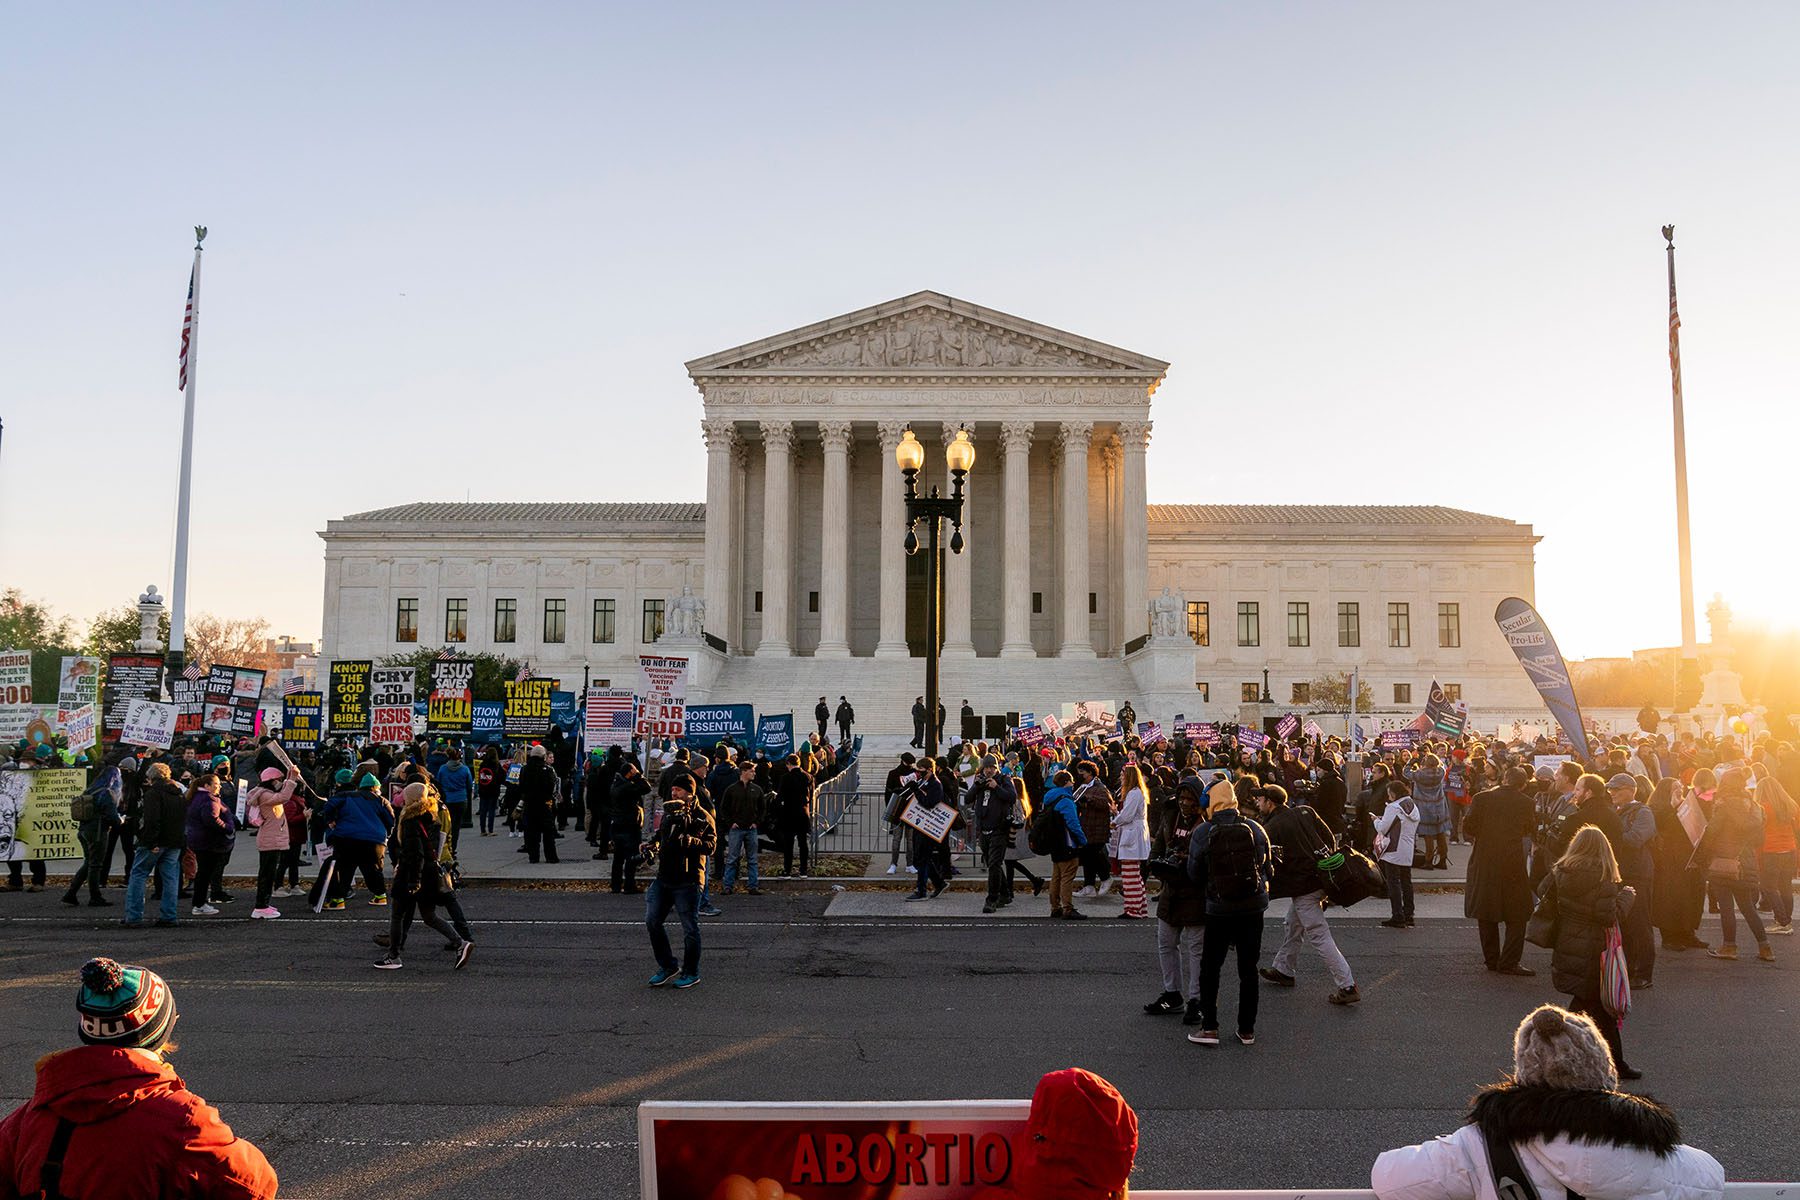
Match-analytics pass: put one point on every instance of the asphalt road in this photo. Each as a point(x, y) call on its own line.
point(520, 1074)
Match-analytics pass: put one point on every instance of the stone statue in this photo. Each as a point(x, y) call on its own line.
point(687, 616)
point(1166, 613)
point(150, 611)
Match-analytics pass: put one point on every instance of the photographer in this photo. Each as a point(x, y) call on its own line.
point(681, 846)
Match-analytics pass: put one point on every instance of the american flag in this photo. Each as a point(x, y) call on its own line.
point(610, 710)
point(187, 327)
point(292, 684)
point(446, 653)
point(192, 672)
point(524, 673)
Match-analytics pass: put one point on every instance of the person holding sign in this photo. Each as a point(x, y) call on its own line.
point(929, 794)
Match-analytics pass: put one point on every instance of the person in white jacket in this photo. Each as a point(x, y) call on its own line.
point(1131, 824)
point(1571, 1128)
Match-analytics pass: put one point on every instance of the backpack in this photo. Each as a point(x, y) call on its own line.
point(1232, 871)
point(82, 808)
point(1046, 834)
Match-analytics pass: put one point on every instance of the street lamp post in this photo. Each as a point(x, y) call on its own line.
point(1266, 698)
point(933, 509)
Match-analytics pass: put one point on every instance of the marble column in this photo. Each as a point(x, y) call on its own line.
point(959, 638)
point(892, 641)
point(1134, 514)
point(1077, 641)
point(716, 585)
point(778, 521)
point(834, 543)
point(1015, 586)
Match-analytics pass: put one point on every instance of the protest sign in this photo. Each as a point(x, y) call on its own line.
point(79, 684)
point(948, 1150)
point(1150, 731)
point(349, 696)
point(1288, 726)
point(934, 823)
point(488, 723)
point(233, 697)
point(34, 814)
point(78, 725)
point(1251, 739)
point(16, 708)
point(148, 723)
point(775, 734)
point(1552, 761)
point(1400, 739)
point(711, 723)
point(1031, 735)
point(128, 677)
point(1086, 718)
point(1313, 730)
point(450, 708)
point(528, 708)
point(611, 716)
point(565, 714)
point(1051, 724)
point(189, 698)
point(662, 697)
point(390, 687)
point(302, 719)
point(391, 725)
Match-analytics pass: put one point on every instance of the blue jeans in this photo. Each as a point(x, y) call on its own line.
point(740, 841)
point(167, 865)
point(685, 900)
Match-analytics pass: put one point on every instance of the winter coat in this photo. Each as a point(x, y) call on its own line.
point(1182, 902)
point(1298, 837)
point(1400, 824)
point(743, 805)
point(1499, 887)
point(138, 1132)
point(1328, 801)
point(1734, 832)
point(993, 800)
point(538, 793)
point(359, 816)
point(211, 824)
point(1598, 812)
point(1637, 858)
point(794, 802)
point(1673, 852)
point(1061, 801)
point(1604, 1145)
point(454, 783)
point(625, 806)
point(416, 870)
point(1428, 794)
point(683, 848)
point(1586, 906)
point(1133, 824)
point(1095, 804)
point(1201, 840)
point(162, 820)
point(271, 806)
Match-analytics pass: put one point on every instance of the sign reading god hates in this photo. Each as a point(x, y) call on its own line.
point(451, 707)
point(662, 700)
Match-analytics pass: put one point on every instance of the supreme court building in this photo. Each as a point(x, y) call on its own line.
point(790, 581)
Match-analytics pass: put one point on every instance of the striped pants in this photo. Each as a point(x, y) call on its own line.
point(1131, 886)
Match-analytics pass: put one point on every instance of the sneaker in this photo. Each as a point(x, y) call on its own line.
point(1191, 1015)
point(1248, 1039)
point(892, 868)
point(264, 914)
point(685, 980)
point(334, 905)
point(1784, 930)
point(1106, 887)
point(1086, 892)
point(916, 896)
point(990, 909)
point(712, 910)
point(1075, 914)
point(1163, 1005)
point(1766, 952)
point(754, 892)
point(206, 910)
point(1347, 995)
point(662, 976)
point(1278, 978)
point(388, 964)
point(378, 902)
point(463, 955)
point(222, 898)
point(912, 870)
point(1726, 951)
point(1206, 1037)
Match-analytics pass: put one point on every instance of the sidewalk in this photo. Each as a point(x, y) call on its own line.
point(961, 905)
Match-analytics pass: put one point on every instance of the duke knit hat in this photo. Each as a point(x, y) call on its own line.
point(125, 1007)
point(1554, 1047)
point(1082, 1136)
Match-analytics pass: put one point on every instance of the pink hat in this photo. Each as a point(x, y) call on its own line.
point(270, 774)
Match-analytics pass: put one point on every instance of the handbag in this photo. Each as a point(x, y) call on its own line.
point(1546, 919)
point(1725, 868)
point(1615, 979)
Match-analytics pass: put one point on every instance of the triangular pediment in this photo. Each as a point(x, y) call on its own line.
point(926, 332)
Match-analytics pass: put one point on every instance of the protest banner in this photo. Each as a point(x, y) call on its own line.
point(391, 687)
point(1552, 761)
point(611, 716)
point(1027, 720)
point(1252, 739)
point(1288, 726)
point(148, 723)
point(948, 1150)
point(662, 696)
point(708, 724)
point(1535, 648)
point(34, 814)
point(233, 698)
point(775, 734)
point(189, 698)
point(488, 723)
point(1313, 730)
point(391, 724)
point(349, 695)
point(78, 684)
point(128, 677)
point(302, 719)
point(1086, 718)
point(1031, 735)
point(528, 708)
point(934, 823)
point(565, 713)
point(1400, 739)
point(450, 708)
point(16, 708)
point(78, 726)
point(1150, 731)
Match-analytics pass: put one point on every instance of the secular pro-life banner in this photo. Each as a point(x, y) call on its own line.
point(662, 697)
point(16, 707)
point(78, 726)
point(129, 677)
point(347, 693)
point(1536, 650)
point(451, 706)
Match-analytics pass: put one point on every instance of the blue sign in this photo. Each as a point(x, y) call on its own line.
point(301, 720)
point(1536, 651)
point(711, 723)
point(775, 735)
point(564, 713)
point(489, 722)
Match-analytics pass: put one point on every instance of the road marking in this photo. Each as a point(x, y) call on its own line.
point(469, 1144)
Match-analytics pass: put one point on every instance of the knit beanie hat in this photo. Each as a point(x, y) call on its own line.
point(1557, 1048)
point(343, 777)
point(1082, 1138)
point(125, 1007)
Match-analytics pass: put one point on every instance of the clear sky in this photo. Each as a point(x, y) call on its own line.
point(1397, 253)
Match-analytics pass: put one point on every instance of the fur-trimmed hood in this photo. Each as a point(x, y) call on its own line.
point(1520, 1112)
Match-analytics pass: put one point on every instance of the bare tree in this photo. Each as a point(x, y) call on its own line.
point(232, 641)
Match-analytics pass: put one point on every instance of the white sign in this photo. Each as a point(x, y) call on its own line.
point(934, 823)
point(16, 710)
point(391, 687)
point(391, 725)
point(148, 723)
point(662, 700)
point(79, 726)
point(79, 685)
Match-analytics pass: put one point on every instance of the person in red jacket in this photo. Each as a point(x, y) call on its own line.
point(111, 1120)
point(1080, 1141)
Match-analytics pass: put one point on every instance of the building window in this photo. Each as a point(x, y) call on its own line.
point(1037, 602)
point(812, 602)
point(1449, 624)
point(1349, 623)
point(406, 620)
point(757, 605)
point(1299, 623)
point(1249, 623)
point(1249, 692)
point(1205, 690)
point(1199, 620)
point(506, 620)
point(1093, 603)
point(1302, 693)
point(556, 620)
point(1399, 624)
point(1403, 693)
point(606, 621)
point(456, 620)
point(1453, 692)
point(653, 620)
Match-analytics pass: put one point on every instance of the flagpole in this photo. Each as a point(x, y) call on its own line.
point(1684, 549)
point(190, 361)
